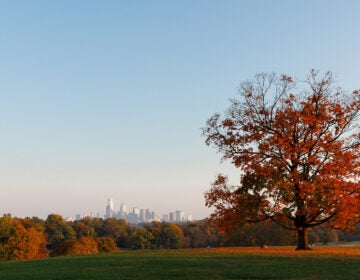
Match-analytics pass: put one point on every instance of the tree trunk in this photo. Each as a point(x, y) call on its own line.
point(302, 239)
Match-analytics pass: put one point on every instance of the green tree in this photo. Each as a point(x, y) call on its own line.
point(172, 236)
point(117, 229)
point(84, 228)
point(140, 238)
point(6, 228)
point(57, 230)
point(155, 229)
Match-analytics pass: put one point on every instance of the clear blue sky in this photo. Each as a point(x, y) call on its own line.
point(106, 99)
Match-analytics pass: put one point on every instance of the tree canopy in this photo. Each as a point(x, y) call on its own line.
point(297, 145)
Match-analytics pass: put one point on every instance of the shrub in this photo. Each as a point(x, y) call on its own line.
point(81, 246)
point(106, 245)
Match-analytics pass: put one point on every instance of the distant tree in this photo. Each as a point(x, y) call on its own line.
point(155, 229)
point(172, 236)
point(298, 154)
point(94, 225)
point(353, 235)
point(106, 245)
point(140, 238)
point(117, 229)
point(84, 246)
point(21, 239)
point(84, 228)
point(7, 224)
point(81, 246)
point(323, 235)
point(6, 228)
point(57, 230)
point(259, 234)
point(80, 229)
point(201, 234)
point(5, 252)
point(26, 241)
point(39, 226)
point(166, 235)
point(38, 221)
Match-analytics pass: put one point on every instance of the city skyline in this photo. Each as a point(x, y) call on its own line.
point(107, 99)
point(135, 214)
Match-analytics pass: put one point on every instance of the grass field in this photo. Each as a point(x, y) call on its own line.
point(217, 263)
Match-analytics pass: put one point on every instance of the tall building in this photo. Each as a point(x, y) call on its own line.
point(147, 215)
point(133, 217)
point(179, 216)
point(171, 217)
point(142, 216)
point(123, 211)
point(165, 217)
point(109, 209)
point(136, 211)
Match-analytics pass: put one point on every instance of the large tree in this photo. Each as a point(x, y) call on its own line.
point(297, 145)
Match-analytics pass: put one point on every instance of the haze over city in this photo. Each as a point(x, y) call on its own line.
point(134, 214)
point(107, 99)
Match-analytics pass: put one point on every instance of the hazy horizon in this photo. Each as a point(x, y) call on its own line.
point(107, 99)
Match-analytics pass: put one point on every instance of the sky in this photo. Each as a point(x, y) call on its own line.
point(106, 99)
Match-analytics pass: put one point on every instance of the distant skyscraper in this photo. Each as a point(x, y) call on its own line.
point(179, 216)
point(142, 216)
point(171, 217)
point(136, 211)
point(147, 215)
point(123, 211)
point(109, 209)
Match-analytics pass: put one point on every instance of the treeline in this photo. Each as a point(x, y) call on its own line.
point(31, 238)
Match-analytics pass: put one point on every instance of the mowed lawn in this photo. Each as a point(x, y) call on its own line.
point(214, 263)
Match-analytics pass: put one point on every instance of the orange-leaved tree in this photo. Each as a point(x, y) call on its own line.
point(298, 151)
point(27, 240)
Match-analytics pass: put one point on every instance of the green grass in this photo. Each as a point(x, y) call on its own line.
point(186, 264)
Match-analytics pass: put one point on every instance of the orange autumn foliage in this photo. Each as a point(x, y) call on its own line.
point(106, 245)
point(299, 154)
point(26, 243)
point(81, 246)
